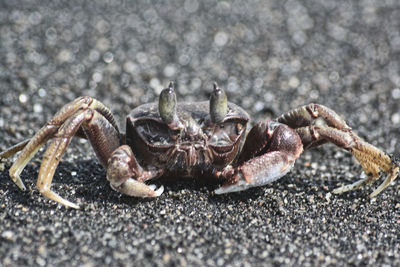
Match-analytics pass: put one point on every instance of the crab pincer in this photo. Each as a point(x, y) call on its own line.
point(127, 176)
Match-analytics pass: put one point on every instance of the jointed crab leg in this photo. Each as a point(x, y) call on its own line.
point(317, 124)
point(53, 155)
point(99, 126)
point(14, 149)
point(46, 132)
point(30, 149)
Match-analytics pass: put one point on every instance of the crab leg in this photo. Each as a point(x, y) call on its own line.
point(41, 137)
point(84, 116)
point(102, 135)
point(33, 145)
point(317, 124)
point(269, 153)
point(29, 150)
point(127, 176)
point(14, 149)
point(53, 155)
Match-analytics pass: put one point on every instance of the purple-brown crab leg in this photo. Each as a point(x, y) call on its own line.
point(14, 149)
point(317, 124)
point(99, 126)
point(269, 153)
point(46, 133)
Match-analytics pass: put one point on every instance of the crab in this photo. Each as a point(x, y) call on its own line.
point(197, 139)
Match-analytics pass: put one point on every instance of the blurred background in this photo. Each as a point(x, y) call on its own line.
point(270, 57)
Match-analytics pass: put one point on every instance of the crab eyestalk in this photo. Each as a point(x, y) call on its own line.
point(167, 105)
point(218, 104)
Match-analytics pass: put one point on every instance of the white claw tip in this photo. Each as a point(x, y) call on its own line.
point(152, 186)
point(239, 186)
point(219, 191)
point(157, 192)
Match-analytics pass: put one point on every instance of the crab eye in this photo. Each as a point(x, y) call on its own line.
point(155, 133)
point(218, 104)
point(167, 104)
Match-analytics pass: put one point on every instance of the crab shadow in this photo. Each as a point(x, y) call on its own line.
point(86, 179)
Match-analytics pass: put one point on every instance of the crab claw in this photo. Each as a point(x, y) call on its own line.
point(239, 186)
point(126, 175)
point(283, 147)
point(157, 192)
point(253, 174)
point(132, 187)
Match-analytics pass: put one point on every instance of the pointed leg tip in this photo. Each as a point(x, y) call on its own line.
point(389, 179)
point(55, 197)
point(68, 204)
point(377, 191)
point(17, 180)
point(73, 206)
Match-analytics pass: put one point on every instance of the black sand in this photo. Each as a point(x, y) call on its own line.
point(270, 58)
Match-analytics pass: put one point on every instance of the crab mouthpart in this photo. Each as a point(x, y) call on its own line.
point(195, 144)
